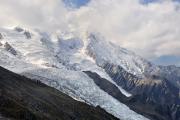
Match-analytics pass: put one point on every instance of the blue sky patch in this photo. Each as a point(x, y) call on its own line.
point(148, 1)
point(152, 1)
point(75, 3)
point(167, 60)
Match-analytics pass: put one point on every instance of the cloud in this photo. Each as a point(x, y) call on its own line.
point(37, 13)
point(151, 30)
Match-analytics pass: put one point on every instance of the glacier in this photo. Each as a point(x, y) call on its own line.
point(58, 61)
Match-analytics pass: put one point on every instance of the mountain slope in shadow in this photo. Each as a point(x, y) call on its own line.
point(25, 99)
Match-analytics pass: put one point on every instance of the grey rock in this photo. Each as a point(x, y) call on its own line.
point(27, 34)
point(1, 36)
point(9, 48)
point(18, 29)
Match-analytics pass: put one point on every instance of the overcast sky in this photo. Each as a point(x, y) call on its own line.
point(151, 28)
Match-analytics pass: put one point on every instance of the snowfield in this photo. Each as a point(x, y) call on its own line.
point(58, 61)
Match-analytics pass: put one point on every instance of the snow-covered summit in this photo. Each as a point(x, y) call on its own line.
point(59, 61)
point(104, 51)
point(43, 48)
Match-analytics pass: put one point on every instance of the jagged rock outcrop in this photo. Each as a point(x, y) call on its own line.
point(9, 48)
point(121, 76)
point(27, 34)
point(1, 36)
point(18, 29)
point(154, 91)
point(171, 73)
point(107, 86)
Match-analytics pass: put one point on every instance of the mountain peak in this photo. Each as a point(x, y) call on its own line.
point(59, 59)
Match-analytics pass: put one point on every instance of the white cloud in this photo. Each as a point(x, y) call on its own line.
point(37, 13)
point(150, 30)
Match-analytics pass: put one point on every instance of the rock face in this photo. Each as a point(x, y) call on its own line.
point(18, 29)
point(24, 99)
point(1, 36)
point(121, 76)
point(27, 34)
point(107, 86)
point(6, 46)
point(154, 91)
point(171, 73)
point(9, 48)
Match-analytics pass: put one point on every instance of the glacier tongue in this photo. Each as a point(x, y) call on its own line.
point(59, 62)
point(78, 84)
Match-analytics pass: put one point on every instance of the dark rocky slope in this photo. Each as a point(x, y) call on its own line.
point(107, 86)
point(157, 87)
point(25, 99)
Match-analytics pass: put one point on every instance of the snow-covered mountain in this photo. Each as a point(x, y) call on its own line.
point(60, 59)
